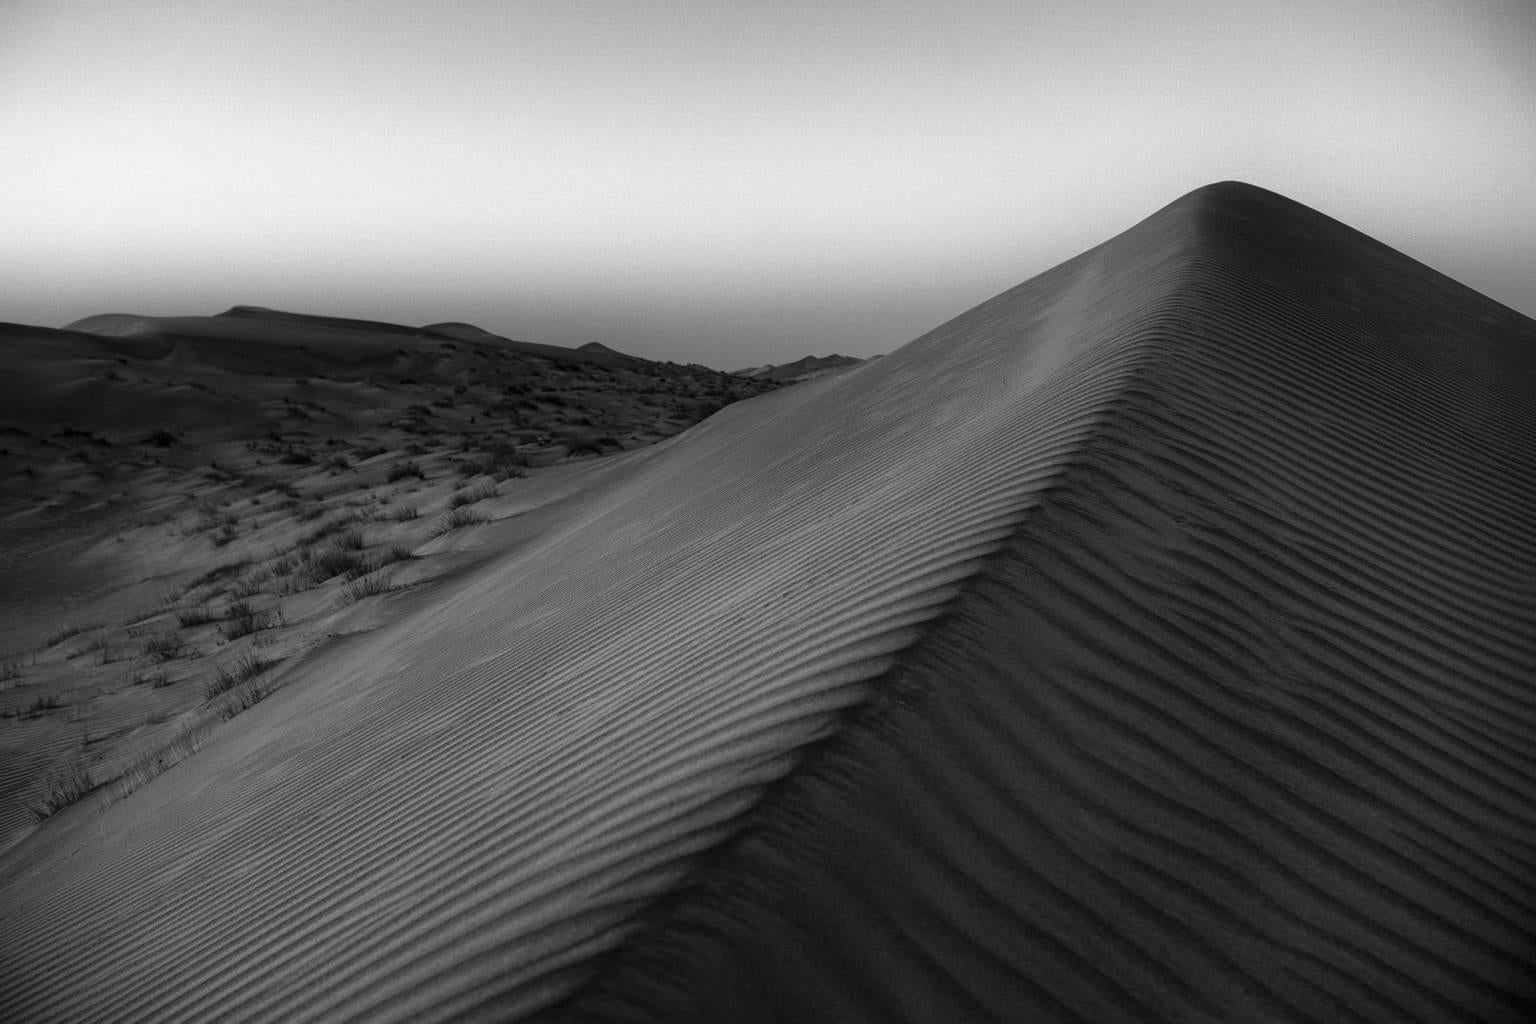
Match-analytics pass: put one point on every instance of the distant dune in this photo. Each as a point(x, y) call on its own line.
point(804, 368)
point(1150, 643)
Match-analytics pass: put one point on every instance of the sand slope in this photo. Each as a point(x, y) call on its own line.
point(1227, 716)
point(1237, 727)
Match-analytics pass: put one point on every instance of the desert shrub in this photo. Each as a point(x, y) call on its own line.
point(62, 787)
point(244, 620)
point(339, 462)
point(10, 668)
point(198, 616)
point(104, 651)
point(365, 586)
point(58, 636)
point(351, 538)
point(163, 647)
point(333, 561)
point(243, 697)
point(220, 572)
point(226, 677)
point(456, 518)
point(474, 494)
point(42, 702)
point(403, 471)
point(251, 585)
point(224, 535)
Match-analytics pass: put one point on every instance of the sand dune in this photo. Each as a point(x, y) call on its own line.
point(1149, 643)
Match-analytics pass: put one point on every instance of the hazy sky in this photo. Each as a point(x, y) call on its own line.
point(717, 182)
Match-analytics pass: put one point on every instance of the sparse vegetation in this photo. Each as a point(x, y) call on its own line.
point(200, 615)
point(445, 438)
point(141, 675)
point(164, 647)
point(458, 517)
point(58, 636)
point(243, 620)
point(403, 471)
point(365, 586)
point(220, 572)
point(42, 702)
point(226, 677)
point(62, 787)
point(474, 494)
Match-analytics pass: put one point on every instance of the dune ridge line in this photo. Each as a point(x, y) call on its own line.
point(1235, 726)
point(476, 804)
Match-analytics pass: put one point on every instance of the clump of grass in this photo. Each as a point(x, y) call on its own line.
point(246, 667)
point(163, 647)
point(220, 572)
point(43, 702)
point(365, 586)
point(104, 651)
point(243, 697)
point(244, 620)
point(251, 585)
point(406, 513)
point(62, 787)
point(182, 745)
point(505, 461)
point(58, 636)
point(458, 517)
point(11, 669)
point(474, 494)
point(334, 561)
point(224, 535)
point(198, 616)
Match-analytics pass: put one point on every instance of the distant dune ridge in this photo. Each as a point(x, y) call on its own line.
point(1151, 642)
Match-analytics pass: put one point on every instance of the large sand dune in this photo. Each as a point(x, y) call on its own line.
point(1151, 642)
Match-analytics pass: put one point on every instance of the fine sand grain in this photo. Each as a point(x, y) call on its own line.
point(1149, 643)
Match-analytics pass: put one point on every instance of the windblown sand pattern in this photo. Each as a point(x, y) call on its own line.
point(1227, 715)
point(1237, 727)
point(459, 815)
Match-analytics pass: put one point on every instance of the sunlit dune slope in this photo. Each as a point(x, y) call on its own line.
point(471, 807)
point(1239, 725)
point(1149, 642)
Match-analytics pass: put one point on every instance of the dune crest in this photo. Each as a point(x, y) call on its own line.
point(1145, 643)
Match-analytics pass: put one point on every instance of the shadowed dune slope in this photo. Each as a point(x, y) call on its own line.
point(458, 815)
point(1240, 723)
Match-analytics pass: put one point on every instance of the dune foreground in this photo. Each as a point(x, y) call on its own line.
point(1150, 643)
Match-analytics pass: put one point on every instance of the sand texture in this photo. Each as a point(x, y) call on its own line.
point(1151, 643)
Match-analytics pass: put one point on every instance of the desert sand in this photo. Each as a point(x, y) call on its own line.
point(1150, 643)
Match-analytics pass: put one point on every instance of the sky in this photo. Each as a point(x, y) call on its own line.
point(725, 183)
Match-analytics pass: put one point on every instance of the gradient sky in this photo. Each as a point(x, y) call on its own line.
point(723, 183)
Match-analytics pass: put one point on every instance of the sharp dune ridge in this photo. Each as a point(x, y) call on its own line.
point(1149, 643)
